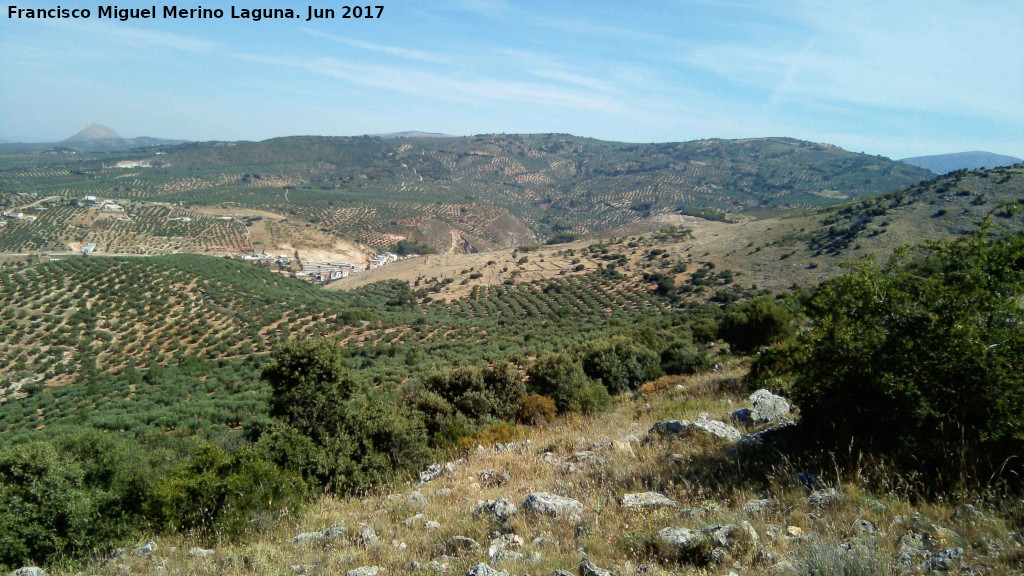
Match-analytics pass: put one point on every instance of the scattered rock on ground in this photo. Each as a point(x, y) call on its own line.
point(29, 571)
point(759, 506)
point(702, 424)
point(768, 407)
point(311, 538)
point(364, 571)
point(742, 416)
point(414, 519)
point(945, 560)
point(501, 509)
point(367, 537)
point(862, 527)
point(552, 505)
point(824, 498)
point(588, 568)
point(200, 552)
point(499, 547)
point(482, 569)
point(435, 471)
point(681, 542)
point(492, 478)
point(459, 544)
point(544, 540)
point(648, 500)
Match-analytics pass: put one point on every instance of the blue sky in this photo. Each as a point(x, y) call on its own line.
point(913, 79)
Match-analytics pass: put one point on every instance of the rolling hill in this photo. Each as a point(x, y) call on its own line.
point(139, 382)
point(61, 318)
point(472, 194)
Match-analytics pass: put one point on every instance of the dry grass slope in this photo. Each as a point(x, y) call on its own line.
point(767, 526)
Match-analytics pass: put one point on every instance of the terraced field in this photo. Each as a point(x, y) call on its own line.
point(81, 316)
point(455, 194)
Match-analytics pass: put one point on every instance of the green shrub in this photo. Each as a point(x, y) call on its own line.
point(222, 495)
point(922, 365)
point(309, 381)
point(620, 364)
point(561, 378)
point(443, 423)
point(757, 323)
point(385, 439)
point(46, 509)
point(478, 394)
point(685, 358)
point(325, 465)
point(505, 383)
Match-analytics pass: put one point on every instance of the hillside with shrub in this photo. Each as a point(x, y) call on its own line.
point(645, 400)
point(469, 194)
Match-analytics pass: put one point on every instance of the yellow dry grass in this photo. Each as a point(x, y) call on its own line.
point(596, 461)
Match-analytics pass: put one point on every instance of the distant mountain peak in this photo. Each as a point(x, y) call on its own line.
point(944, 163)
point(95, 132)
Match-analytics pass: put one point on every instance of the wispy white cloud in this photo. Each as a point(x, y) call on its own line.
point(566, 89)
point(474, 90)
point(490, 8)
point(144, 37)
point(886, 56)
point(406, 53)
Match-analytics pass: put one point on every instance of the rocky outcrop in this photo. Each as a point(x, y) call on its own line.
point(500, 509)
point(648, 500)
point(323, 536)
point(703, 424)
point(553, 505)
point(588, 568)
point(482, 569)
point(710, 543)
point(767, 407)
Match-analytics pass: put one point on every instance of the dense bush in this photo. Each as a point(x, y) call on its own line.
point(756, 323)
point(536, 410)
point(309, 381)
point(46, 509)
point(478, 394)
point(337, 441)
point(922, 364)
point(684, 358)
point(222, 495)
point(409, 247)
point(385, 438)
point(620, 364)
point(561, 378)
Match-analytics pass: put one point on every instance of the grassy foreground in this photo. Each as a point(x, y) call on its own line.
point(782, 526)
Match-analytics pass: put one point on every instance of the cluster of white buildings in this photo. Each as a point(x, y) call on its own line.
point(313, 271)
point(18, 216)
point(326, 271)
point(382, 259)
point(264, 258)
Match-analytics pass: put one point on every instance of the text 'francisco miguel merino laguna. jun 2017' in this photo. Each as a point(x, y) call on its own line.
point(112, 12)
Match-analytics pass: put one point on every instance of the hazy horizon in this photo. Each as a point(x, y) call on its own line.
point(899, 81)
